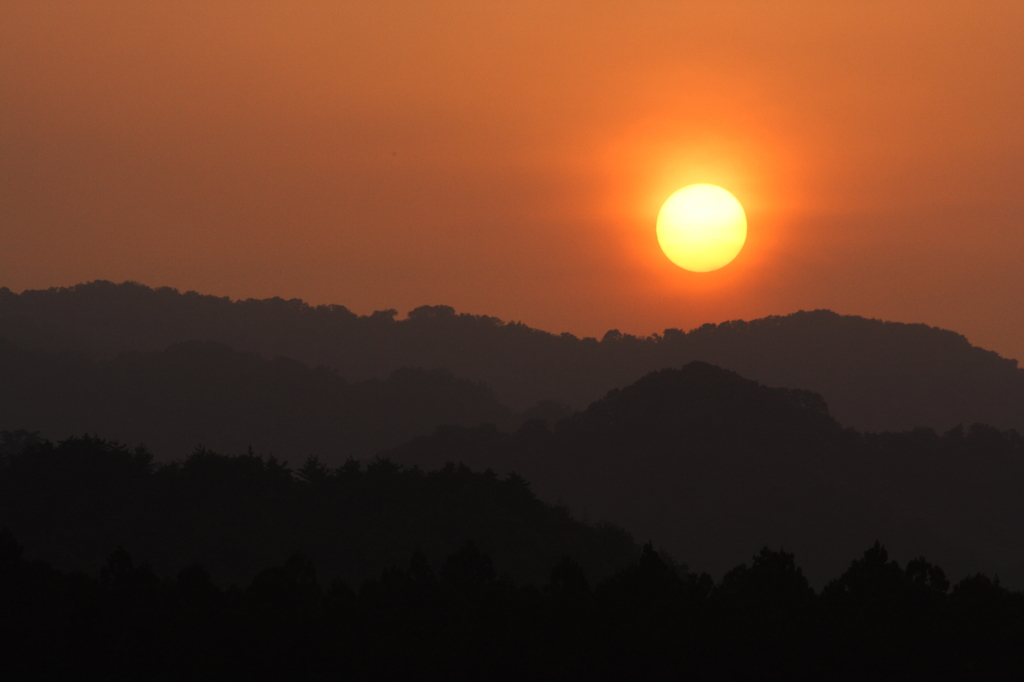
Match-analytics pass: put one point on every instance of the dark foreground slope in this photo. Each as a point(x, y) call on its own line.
point(707, 464)
point(206, 394)
point(875, 375)
point(650, 621)
point(73, 502)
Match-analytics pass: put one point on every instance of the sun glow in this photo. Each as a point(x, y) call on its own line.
point(702, 228)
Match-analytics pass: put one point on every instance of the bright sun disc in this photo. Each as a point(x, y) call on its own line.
point(701, 228)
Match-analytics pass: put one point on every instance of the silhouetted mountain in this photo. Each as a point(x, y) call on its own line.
point(875, 375)
point(707, 463)
point(203, 393)
point(70, 502)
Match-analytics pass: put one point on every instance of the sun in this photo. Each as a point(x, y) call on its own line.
point(701, 228)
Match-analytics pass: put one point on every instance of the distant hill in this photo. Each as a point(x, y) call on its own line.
point(707, 463)
point(206, 394)
point(874, 375)
point(73, 503)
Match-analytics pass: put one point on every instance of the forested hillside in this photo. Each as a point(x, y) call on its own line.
point(874, 375)
point(116, 566)
point(698, 460)
point(705, 463)
point(72, 502)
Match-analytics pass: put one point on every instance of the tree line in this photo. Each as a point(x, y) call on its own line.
point(70, 501)
point(242, 567)
point(653, 619)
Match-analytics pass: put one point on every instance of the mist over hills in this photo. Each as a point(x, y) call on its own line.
point(708, 463)
point(874, 375)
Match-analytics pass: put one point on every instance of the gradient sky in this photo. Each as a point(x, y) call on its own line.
point(510, 158)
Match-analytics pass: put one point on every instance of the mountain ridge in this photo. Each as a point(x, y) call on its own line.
point(875, 375)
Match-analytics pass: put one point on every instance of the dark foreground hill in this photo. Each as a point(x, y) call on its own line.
point(875, 375)
point(71, 503)
point(205, 394)
point(707, 464)
point(650, 621)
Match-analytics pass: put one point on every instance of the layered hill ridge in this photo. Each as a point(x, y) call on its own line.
point(698, 460)
point(205, 394)
point(874, 375)
point(706, 463)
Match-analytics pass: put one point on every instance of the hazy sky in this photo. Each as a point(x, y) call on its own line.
point(509, 158)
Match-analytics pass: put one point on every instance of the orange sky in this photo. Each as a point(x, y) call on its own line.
point(510, 158)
